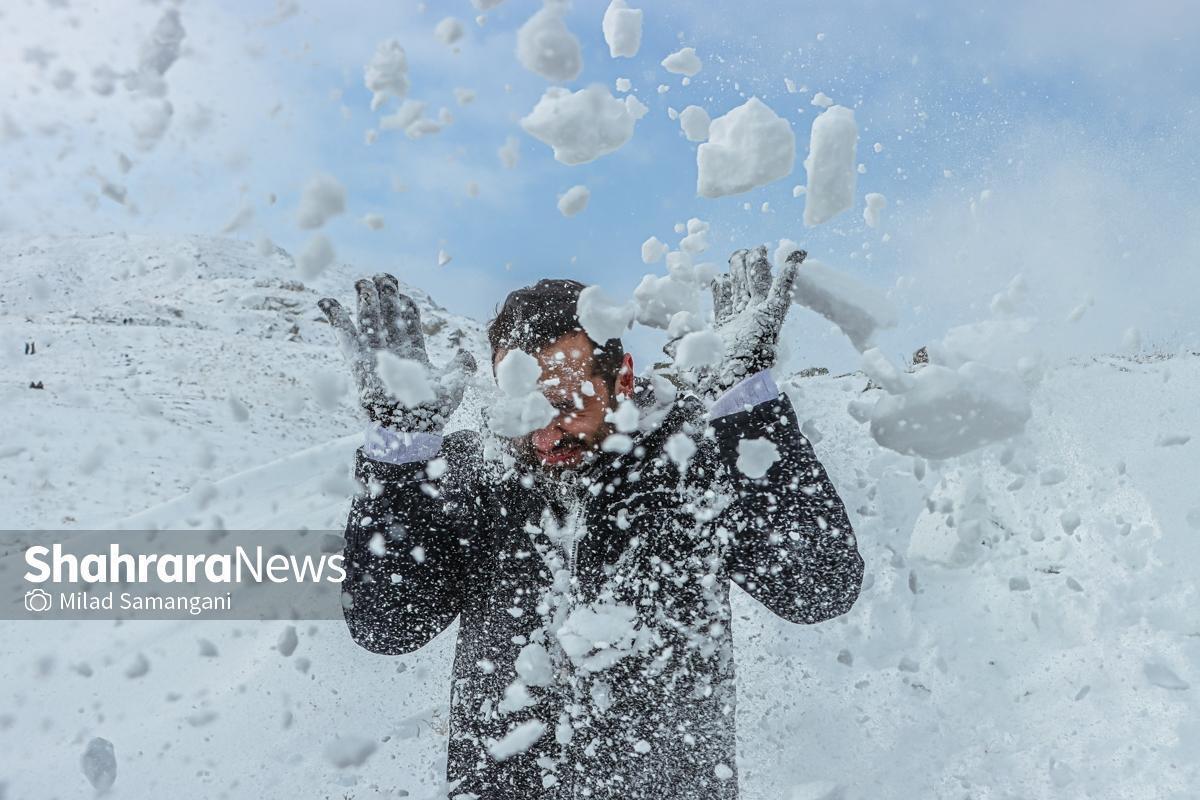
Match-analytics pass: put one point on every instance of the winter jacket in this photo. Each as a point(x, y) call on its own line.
point(598, 667)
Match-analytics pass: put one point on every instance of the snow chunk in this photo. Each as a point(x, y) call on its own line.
point(876, 203)
point(749, 146)
point(625, 418)
point(683, 62)
point(323, 197)
point(510, 152)
point(622, 29)
point(602, 317)
point(448, 31)
point(858, 309)
point(1164, 678)
point(582, 126)
point(486, 5)
point(409, 112)
point(349, 751)
point(653, 250)
point(696, 241)
point(573, 200)
point(99, 764)
point(534, 666)
point(373, 221)
point(546, 47)
point(597, 636)
point(624, 84)
point(315, 257)
point(694, 121)
point(386, 75)
point(830, 165)
point(405, 379)
point(755, 456)
point(520, 738)
point(523, 407)
point(822, 100)
point(699, 349)
point(680, 449)
point(941, 412)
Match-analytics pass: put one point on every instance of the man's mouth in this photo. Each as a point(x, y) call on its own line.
point(564, 454)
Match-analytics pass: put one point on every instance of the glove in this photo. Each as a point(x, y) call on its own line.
point(749, 307)
point(389, 320)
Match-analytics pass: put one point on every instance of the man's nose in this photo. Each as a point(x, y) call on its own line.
point(547, 437)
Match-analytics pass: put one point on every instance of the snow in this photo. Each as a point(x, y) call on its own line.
point(699, 349)
point(876, 203)
point(756, 456)
point(464, 97)
point(622, 28)
point(680, 449)
point(510, 152)
point(598, 635)
point(349, 751)
point(522, 407)
point(584, 125)
point(830, 165)
point(519, 738)
point(99, 764)
point(857, 308)
point(623, 84)
point(405, 379)
point(750, 146)
point(683, 62)
point(386, 74)
point(653, 250)
point(323, 197)
point(373, 221)
point(448, 31)
point(694, 121)
point(602, 317)
point(546, 47)
point(315, 257)
point(574, 200)
point(821, 100)
point(404, 116)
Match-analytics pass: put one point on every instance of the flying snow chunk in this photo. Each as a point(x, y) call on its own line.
point(573, 200)
point(876, 203)
point(822, 100)
point(624, 84)
point(582, 126)
point(510, 152)
point(523, 407)
point(546, 47)
point(315, 257)
point(486, 5)
point(405, 379)
point(373, 221)
point(653, 250)
point(858, 309)
point(349, 751)
point(683, 62)
point(748, 147)
point(699, 349)
point(99, 764)
point(695, 122)
point(622, 29)
point(520, 738)
point(602, 317)
point(323, 197)
point(599, 635)
point(409, 112)
point(386, 74)
point(939, 412)
point(830, 165)
point(755, 457)
point(448, 31)
point(680, 449)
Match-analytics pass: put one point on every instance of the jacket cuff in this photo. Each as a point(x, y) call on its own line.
point(750, 392)
point(400, 447)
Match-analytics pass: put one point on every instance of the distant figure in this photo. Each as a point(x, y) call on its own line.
point(36, 385)
point(30, 348)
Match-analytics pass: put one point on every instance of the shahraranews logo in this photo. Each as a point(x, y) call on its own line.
point(53, 565)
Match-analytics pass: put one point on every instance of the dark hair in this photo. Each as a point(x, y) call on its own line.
point(536, 316)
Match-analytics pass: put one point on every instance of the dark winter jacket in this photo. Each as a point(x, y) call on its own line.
point(612, 656)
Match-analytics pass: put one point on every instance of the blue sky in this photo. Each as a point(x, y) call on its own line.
point(1078, 118)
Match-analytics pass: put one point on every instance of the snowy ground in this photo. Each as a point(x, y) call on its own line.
point(993, 654)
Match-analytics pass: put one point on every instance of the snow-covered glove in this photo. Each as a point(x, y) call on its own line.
point(390, 321)
point(749, 307)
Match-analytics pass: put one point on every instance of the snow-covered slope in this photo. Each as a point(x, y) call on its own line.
point(168, 363)
point(1000, 649)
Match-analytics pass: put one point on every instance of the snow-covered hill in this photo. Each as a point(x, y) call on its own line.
point(167, 364)
point(1029, 627)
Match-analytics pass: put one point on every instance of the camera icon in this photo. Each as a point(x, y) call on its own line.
point(38, 600)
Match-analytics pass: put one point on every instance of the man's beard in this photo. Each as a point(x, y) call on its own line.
point(528, 456)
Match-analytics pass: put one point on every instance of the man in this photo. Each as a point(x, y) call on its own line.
point(589, 561)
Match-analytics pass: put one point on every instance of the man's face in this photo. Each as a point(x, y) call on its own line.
point(581, 399)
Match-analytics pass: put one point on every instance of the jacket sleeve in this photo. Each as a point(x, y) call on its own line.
point(791, 544)
point(413, 539)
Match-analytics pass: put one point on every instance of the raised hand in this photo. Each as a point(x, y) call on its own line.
point(390, 321)
point(749, 307)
